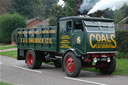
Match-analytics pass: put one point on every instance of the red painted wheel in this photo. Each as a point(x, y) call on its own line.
point(33, 61)
point(71, 64)
point(30, 58)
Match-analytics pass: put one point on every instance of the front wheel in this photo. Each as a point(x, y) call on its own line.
point(109, 68)
point(72, 64)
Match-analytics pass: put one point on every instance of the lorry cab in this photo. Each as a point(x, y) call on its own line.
point(87, 35)
point(72, 34)
point(90, 39)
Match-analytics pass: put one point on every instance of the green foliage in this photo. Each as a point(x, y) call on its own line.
point(22, 7)
point(121, 13)
point(122, 44)
point(57, 10)
point(108, 14)
point(47, 5)
point(27, 8)
point(32, 8)
point(53, 21)
point(8, 23)
point(37, 7)
point(70, 4)
point(3, 83)
point(122, 55)
point(69, 11)
point(122, 41)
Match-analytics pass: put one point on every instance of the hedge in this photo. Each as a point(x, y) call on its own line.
point(122, 44)
point(8, 23)
point(122, 41)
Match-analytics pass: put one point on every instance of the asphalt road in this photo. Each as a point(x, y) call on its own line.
point(17, 73)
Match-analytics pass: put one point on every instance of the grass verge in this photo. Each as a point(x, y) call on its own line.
point(3, 83)
point(7, 47)
point(122, 67)
point(9, 53)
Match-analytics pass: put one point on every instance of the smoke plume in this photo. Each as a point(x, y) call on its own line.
point(108, 4)
point(87, 5)
point(61, 3)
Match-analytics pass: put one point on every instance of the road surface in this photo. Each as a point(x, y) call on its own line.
point(17, 73)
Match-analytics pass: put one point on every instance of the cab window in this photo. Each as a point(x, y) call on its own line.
point(62, 26)
point(69, 26)
point(78, 26)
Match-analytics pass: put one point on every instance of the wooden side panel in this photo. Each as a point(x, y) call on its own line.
point(42, 39)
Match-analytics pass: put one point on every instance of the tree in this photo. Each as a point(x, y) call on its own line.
point(108, 14)
point(22, 7)
point(32, 8)
point(52, 21)
point(70, 7)
point(73, 7)
point(57, 10)
point(8, 23)
point(47, 5)
point(121, 13)
point(38, 10)
point(4, 4)
point(27, 8)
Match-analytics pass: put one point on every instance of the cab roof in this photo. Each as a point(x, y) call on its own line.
point(85, 18)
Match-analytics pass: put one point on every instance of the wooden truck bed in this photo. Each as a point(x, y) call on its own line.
point(43, 39)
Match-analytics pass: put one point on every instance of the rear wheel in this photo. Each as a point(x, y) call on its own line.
point(72, 64)
point(32, 60)
point(109, 68)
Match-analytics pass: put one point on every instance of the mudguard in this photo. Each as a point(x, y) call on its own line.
point(22, 53)
point(75, 51)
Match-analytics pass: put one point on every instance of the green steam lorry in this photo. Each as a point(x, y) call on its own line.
point(74, 43)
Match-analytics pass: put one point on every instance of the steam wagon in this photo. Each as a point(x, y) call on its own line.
point(74, 43)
